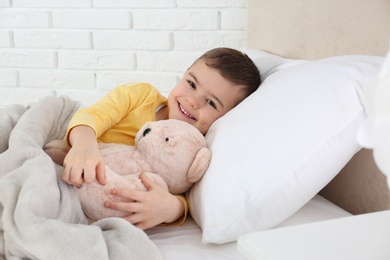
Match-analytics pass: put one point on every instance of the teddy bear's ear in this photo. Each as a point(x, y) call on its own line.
point(199, 165)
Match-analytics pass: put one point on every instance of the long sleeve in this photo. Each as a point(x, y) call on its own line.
point(118, 116)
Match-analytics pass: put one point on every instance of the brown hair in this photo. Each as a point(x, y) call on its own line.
point(235, 66)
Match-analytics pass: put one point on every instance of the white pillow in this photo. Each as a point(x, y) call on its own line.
point(268, 63)
point(278, 148)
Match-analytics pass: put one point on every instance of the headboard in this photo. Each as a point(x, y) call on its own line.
point(312, 29)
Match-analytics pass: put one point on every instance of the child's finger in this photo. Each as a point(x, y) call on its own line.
point(88, 175)
point(73, 176)
point(131, 195)
point(148, 183)
point(101, 173)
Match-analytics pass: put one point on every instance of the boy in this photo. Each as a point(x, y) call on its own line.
point(214, 84)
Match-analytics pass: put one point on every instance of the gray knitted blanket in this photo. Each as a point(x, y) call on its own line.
point(41, 217)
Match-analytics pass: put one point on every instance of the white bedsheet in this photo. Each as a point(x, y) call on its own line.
point(184, 242)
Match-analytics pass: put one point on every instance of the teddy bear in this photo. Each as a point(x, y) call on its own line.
point(171, 152)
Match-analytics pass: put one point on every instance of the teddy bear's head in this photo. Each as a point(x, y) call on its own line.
point(176, 150)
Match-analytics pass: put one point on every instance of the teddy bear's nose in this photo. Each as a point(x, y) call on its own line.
point(147, 131)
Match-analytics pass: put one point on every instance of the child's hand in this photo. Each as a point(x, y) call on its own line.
point(83, 166)
point(151, 207)
point(83, 163)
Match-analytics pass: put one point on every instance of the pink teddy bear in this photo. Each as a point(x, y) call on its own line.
point(173, 153)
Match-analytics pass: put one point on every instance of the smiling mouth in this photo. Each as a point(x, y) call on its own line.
point(186, 113)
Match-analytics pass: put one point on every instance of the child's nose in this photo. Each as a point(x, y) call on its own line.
point(194, 102)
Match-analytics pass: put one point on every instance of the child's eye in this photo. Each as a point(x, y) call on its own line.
point(192, 84)
point(211, 103)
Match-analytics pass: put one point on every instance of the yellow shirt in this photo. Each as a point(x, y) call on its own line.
point(118, 116)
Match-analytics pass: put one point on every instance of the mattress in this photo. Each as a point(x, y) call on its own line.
point(185, 242)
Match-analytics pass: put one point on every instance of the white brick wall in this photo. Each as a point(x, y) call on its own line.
point(83, 48)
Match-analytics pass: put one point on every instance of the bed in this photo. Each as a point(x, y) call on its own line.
point(290, 165)
point(299, 30)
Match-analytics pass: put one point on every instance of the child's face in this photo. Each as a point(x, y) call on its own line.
point(202, 96)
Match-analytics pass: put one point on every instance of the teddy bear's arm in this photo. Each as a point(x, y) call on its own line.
point(57, 150)
point(157, 179)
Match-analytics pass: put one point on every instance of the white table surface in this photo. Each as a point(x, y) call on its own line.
point(365, 236)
